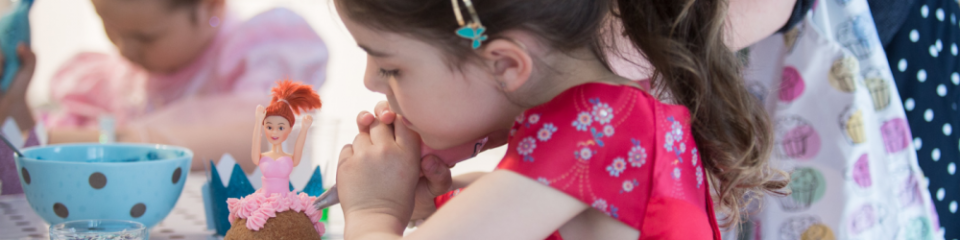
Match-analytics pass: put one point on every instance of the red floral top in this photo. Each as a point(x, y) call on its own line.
point(621, 151)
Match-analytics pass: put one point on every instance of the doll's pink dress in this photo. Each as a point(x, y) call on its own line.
point(276, 174)
point(273, 197)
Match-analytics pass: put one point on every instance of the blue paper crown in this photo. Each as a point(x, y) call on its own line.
point(240, 186)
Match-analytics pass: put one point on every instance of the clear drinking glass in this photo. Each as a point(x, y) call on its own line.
point(98, 230)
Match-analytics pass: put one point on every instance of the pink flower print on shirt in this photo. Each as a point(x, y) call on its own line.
point(601, 205)
point(583, 154)
point(597, 136)
point(583, 121)
point(546, 132)
point(628, 185)
point(520, 118)
point(676, 129)
point(543, 180)
point(637, 155)
point(699, 176)
point(617, 167)
point(694, 157)
point(668, 141)
point(674, 136)
point(602, 113)
point(533, 119)
point(608, 131)
point(526, 147)
point(616, 157)
point(613, 211)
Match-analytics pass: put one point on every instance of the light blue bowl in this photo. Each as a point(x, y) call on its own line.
point(136, 182)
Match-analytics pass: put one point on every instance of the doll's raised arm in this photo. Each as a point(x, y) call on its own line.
point(301, 139)
point(257, 132)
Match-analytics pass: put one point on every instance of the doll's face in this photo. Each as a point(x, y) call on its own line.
point(276, 129)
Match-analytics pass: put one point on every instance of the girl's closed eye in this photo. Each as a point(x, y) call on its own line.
point(389, 73)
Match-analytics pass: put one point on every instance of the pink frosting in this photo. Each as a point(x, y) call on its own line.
point(257, 208)
point(249, 207)
point(232, 218)
point(233, 205)
point(293, 199)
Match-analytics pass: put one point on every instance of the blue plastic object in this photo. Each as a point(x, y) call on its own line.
point(136, 182)
point(14, 29)
point(238, 187)
point(315, 184)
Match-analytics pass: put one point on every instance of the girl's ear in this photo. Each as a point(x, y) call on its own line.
point(510, 62)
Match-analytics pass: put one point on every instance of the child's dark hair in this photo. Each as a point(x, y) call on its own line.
point(683, 41)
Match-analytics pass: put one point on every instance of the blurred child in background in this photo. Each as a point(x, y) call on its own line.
point(187, 68)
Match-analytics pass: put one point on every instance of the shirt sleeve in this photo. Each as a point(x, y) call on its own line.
point(93, 84)
point(591, 143)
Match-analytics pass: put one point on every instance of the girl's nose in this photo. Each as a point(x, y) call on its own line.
point(372, 79)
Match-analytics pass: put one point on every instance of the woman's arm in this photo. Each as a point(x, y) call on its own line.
point(257, 135)
point(301, 139)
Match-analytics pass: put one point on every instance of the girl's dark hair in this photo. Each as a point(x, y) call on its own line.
point(682, 39)
point(564, 24)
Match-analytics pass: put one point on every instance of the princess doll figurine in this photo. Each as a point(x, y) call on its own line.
point(273, 211)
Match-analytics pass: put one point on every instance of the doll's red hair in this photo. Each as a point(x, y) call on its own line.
point(291, 98)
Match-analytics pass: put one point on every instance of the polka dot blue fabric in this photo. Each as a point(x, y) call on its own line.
point(924, 59)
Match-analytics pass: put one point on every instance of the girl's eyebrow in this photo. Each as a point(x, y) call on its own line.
point(372, 52)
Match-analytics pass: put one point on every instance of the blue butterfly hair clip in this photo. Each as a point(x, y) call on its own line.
point(473, 30)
